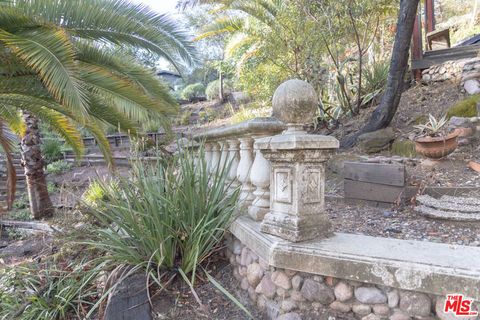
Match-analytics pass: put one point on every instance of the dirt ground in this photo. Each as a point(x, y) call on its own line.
point(415, 103)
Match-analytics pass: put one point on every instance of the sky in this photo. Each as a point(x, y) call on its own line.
point(161, 6)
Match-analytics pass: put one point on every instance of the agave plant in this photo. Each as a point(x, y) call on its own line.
point(433, 128)
point(66, 62)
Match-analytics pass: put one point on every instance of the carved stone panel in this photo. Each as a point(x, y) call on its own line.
point(283, 185)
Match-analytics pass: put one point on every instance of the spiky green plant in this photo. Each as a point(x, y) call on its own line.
point(65, 62)
point(168, 218)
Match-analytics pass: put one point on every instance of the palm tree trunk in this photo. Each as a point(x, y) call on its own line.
point(32, 161)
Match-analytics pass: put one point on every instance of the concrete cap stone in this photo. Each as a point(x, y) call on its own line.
point(295, 102)
point(297, 142)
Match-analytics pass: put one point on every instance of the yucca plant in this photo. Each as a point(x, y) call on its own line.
point(65, 62)
point(433, 128)
point(169, 217)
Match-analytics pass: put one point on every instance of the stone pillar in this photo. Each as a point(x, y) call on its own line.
point(215, 156)
point(243, 171)
point(233, 160)
point(297, 174)
point(260, 177)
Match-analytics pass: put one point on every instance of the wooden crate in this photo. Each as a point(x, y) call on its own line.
point(379, 182)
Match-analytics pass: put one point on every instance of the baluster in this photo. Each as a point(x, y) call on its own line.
point(260, 178)
point(223, 160)
point(208, 155)
point(243, 171)
point(215, 156)
point(233, 160)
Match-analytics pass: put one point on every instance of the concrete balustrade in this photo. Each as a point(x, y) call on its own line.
point(233, 145)
point(284, 250)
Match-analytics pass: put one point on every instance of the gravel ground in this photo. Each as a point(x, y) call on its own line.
point(401, 223)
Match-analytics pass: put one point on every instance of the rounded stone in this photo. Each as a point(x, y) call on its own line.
point(415, 304)
point(281, 280)
point(242, 271)
point(244, 284)
point(266, 287)
point(252, 295)
point(237, 246)
point(381, 309)
point(340, 306)
point(297, 296)
point(297, 282)
point(262, 303)
point(371, 316)
point(254, 274)
point(393, 298)
point(245, 258)
point(314, 291)
point(361, 309)
point(370, 295)
point(288, 305)
point(399, 315)
point(343, 291)
point(290, 316)
point(295, 101)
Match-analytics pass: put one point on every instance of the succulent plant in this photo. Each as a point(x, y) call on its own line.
point(433, 128)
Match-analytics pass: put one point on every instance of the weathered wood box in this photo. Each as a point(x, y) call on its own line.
point(376, 182)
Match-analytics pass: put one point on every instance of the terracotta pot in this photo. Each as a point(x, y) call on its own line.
point(437, 147)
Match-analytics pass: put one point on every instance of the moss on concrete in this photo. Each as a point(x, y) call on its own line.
point(465, 108)
point(404, 148)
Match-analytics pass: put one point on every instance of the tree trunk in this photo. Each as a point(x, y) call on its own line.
point(220, 85)
point(32, 161)
point(383, 114)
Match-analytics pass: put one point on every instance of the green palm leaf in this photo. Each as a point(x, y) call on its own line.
point(7, 144)
point(51, 54)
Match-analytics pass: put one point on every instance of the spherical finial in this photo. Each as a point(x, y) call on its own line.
point(295, 102)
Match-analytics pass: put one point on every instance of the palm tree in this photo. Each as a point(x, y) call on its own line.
point(65, 62)
point(247, 26)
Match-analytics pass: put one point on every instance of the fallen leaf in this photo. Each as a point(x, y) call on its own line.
point(474, 166)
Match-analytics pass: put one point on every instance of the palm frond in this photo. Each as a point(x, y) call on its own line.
point(7, 145)
point(125, 66)
point(124, 94)
point(116, 21)
point(44, 111)
point(51, 54)
point(13, 119)
point(223, 24)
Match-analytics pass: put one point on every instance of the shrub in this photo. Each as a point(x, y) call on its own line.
point(404, 148)
point(247, 113)
point(98, 191)
point(375, 81)
point(20, 214)
point(213, 88)
point(464, 108)
point(169, 215)
point(58, 167)
point(52, 149)
point(193, 91)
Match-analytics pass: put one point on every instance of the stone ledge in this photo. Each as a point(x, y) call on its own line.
point(255, 126)
point(409, 265)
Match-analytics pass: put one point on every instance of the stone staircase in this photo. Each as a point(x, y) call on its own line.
point(21, 181)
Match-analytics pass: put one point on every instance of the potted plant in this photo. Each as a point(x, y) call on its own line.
point(434, 140)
